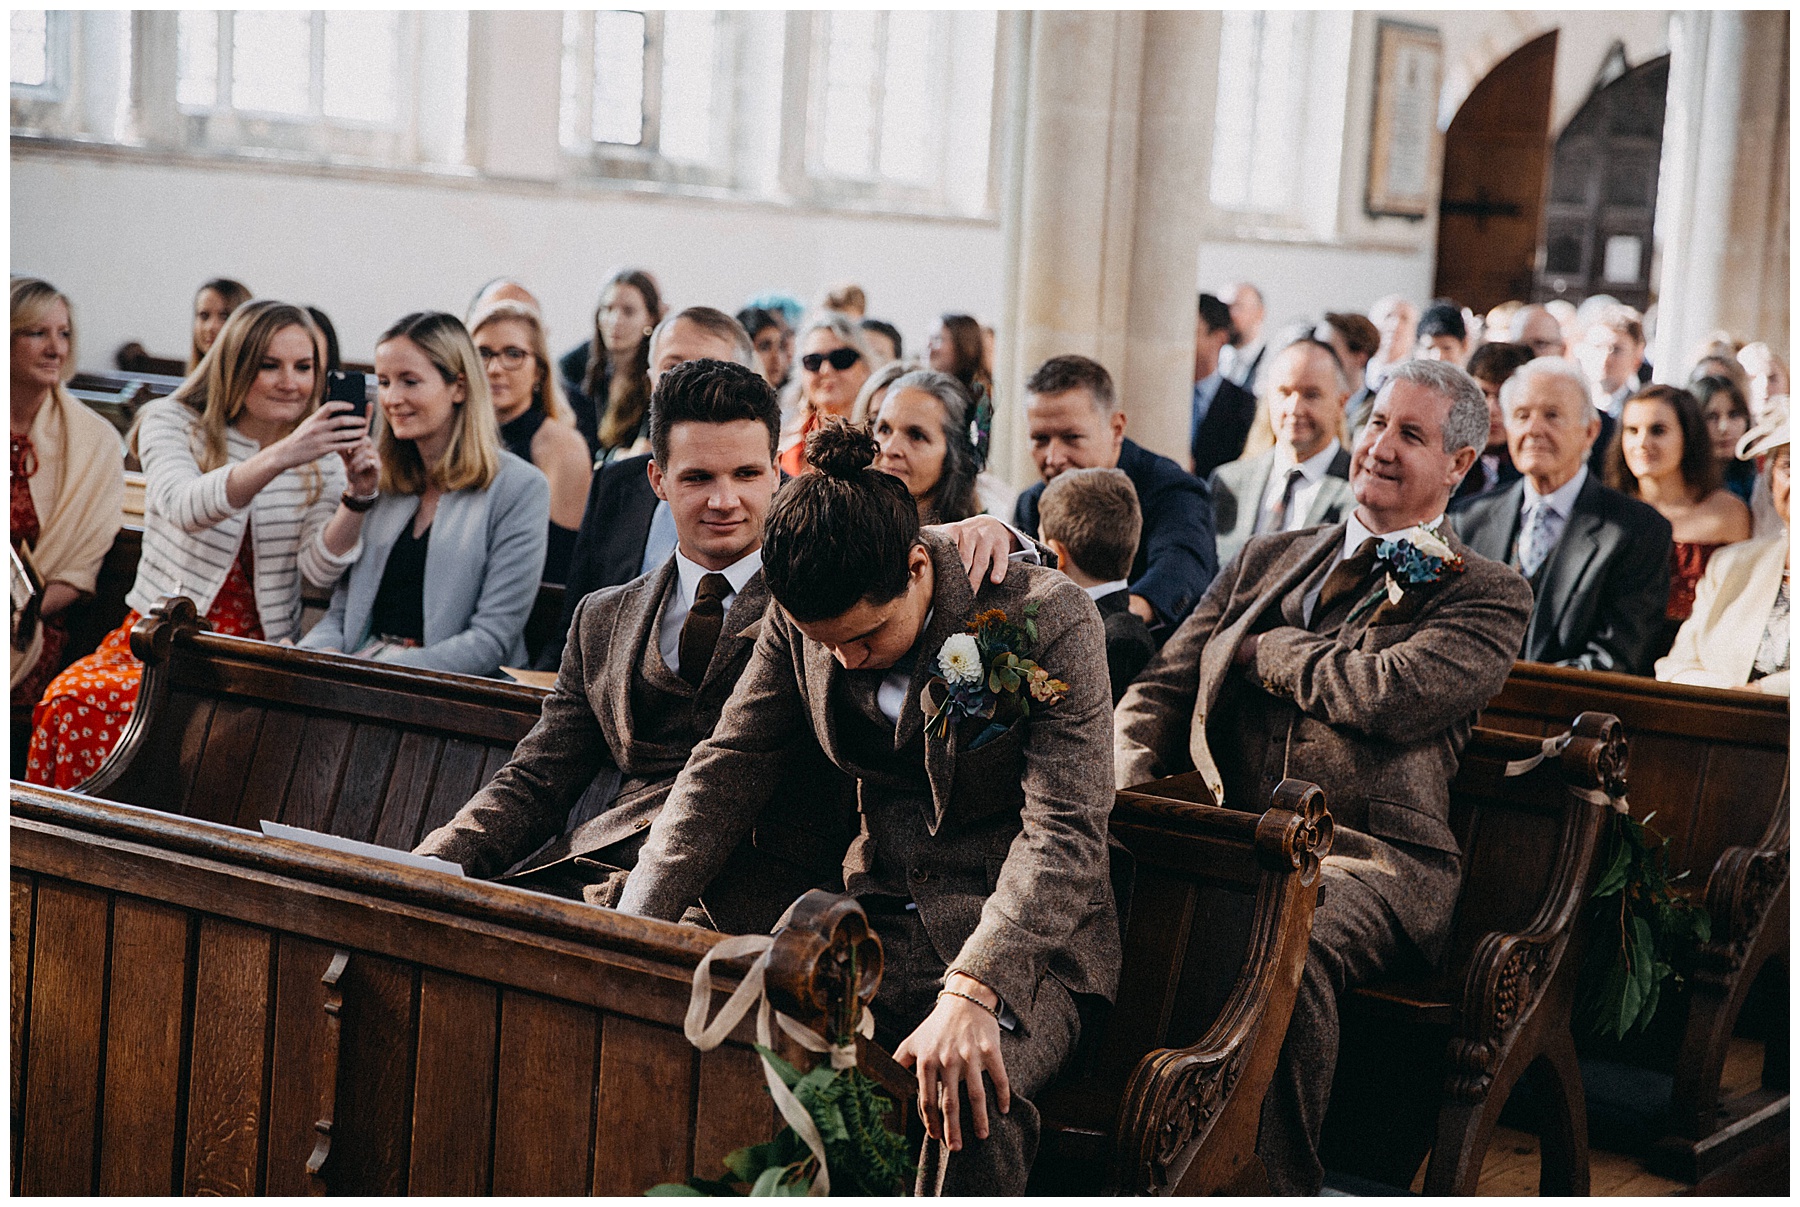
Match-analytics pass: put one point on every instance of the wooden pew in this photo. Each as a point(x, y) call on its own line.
point(118, 396)
point(1712, 765)
point(1429, 1061)
point(196, 1010)
point(239, 732)
point(1167, 1093)
point(1165, 1097)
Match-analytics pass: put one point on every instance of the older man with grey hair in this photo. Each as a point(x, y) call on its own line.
point(1300, 661)
point(1597, 560)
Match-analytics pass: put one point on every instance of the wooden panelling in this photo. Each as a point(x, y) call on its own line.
point(67, 1003)
point(543, 1127)
point(277, 748)
point(458, 777)
point(22, 905)
point(375, 1077)
point(141, 1107)
point(163, 769)
point(639, 1059)
point(408, 789)
point(219, 778)
point(453, 1088)
point(305, 1066)
point(324, 743)
point(733, 1107)
point(225, 1087)
point(364, 782)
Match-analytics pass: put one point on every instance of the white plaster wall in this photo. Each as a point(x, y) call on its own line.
point(129, 240)
point(1304, 280)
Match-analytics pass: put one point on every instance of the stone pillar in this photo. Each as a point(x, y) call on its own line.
point(1105, 173)
point(1722, 201)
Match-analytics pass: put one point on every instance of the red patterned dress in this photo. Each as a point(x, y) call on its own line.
point(25, 531)
point(84, 710)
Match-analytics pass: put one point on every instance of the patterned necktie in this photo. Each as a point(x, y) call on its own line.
point(700, 631)
point(1274, 519)
point(1346, 578)
point(1539, 539)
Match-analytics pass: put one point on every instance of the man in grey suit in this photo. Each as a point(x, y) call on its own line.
point(1299, 663)
point(1597, 560)
point(1304, 481)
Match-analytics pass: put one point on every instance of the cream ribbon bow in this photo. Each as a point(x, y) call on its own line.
point(751, 991)
point(1552, 748)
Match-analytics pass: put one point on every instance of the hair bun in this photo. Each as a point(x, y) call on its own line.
point(839, 449)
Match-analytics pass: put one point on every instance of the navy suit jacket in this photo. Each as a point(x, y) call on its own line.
point(1221, 435)
point(1601, 595)
point(609, 548)
point(1176, 558)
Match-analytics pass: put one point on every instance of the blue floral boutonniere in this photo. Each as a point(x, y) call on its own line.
point(988, 672)
point(1417, 557)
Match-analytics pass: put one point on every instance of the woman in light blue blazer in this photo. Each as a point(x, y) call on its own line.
point(454, 546)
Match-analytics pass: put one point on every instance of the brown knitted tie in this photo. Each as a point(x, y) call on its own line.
point(700, 631)
point(1346, 578)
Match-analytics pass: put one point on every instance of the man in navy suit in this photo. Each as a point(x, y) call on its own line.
point(1075, 423)
point(1221, 410)
point(1597, 561)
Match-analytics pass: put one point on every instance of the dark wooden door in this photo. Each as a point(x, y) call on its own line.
point(1494, 160)
point(1602, 204)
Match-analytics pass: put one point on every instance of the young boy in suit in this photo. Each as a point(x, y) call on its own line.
point(1090, 519)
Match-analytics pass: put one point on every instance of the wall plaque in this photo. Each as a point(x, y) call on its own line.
point(1404, 142)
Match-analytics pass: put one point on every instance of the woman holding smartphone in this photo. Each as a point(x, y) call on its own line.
point(250, 486)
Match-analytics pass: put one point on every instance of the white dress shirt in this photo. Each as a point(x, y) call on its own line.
point(1105, 589)
point(687, 582)
point(1561, 502)
point(1312, 475)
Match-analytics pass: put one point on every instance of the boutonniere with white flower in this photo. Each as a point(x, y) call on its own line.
point(1416, 558)
point(988, 672)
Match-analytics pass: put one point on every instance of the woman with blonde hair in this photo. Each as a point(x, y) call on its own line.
point(834, 364)
point(68, 480)
point(455, 545)
point(214, 302)
point(536, 424)
point(243, 498)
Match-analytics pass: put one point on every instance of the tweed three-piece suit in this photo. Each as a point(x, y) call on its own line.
point(990, 861)
point(618, 711)
point(1374, 709)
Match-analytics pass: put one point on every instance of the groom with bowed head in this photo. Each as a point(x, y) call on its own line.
point(1355, 656)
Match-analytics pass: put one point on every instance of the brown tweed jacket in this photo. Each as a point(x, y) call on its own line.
point(1003, 847)
point(592, 723)
point(1375, 711)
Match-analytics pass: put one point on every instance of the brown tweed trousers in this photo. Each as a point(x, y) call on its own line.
point(617, 708)
point(1375, 711)
point(1003, 848)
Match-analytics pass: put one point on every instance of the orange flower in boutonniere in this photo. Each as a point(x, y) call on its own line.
point(988, 672)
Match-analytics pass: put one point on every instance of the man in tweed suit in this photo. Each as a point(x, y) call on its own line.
point(647, 668)
point(982, 863)
point(1297, 663)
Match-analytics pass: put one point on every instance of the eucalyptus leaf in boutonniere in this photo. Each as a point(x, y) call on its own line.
point(1417, 557)
point(988, 672)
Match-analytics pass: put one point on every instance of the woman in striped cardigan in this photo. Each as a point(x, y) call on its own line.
point(243, 497)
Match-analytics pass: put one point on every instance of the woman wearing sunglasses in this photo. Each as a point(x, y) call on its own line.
point(834, 363)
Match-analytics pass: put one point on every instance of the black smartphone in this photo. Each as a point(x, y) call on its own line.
point(352, 388)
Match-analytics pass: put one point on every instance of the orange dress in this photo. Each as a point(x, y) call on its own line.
point(84, 710)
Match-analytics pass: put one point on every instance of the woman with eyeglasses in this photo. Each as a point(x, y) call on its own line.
point(535, 422)
point(834, 363)
point(454, 545)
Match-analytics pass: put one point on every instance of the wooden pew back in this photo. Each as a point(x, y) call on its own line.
point(239, 732)
point(1711, 764)
point(1166, 1095)
point(197, 1010)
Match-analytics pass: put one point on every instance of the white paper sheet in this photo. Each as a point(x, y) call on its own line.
point(366, 849)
